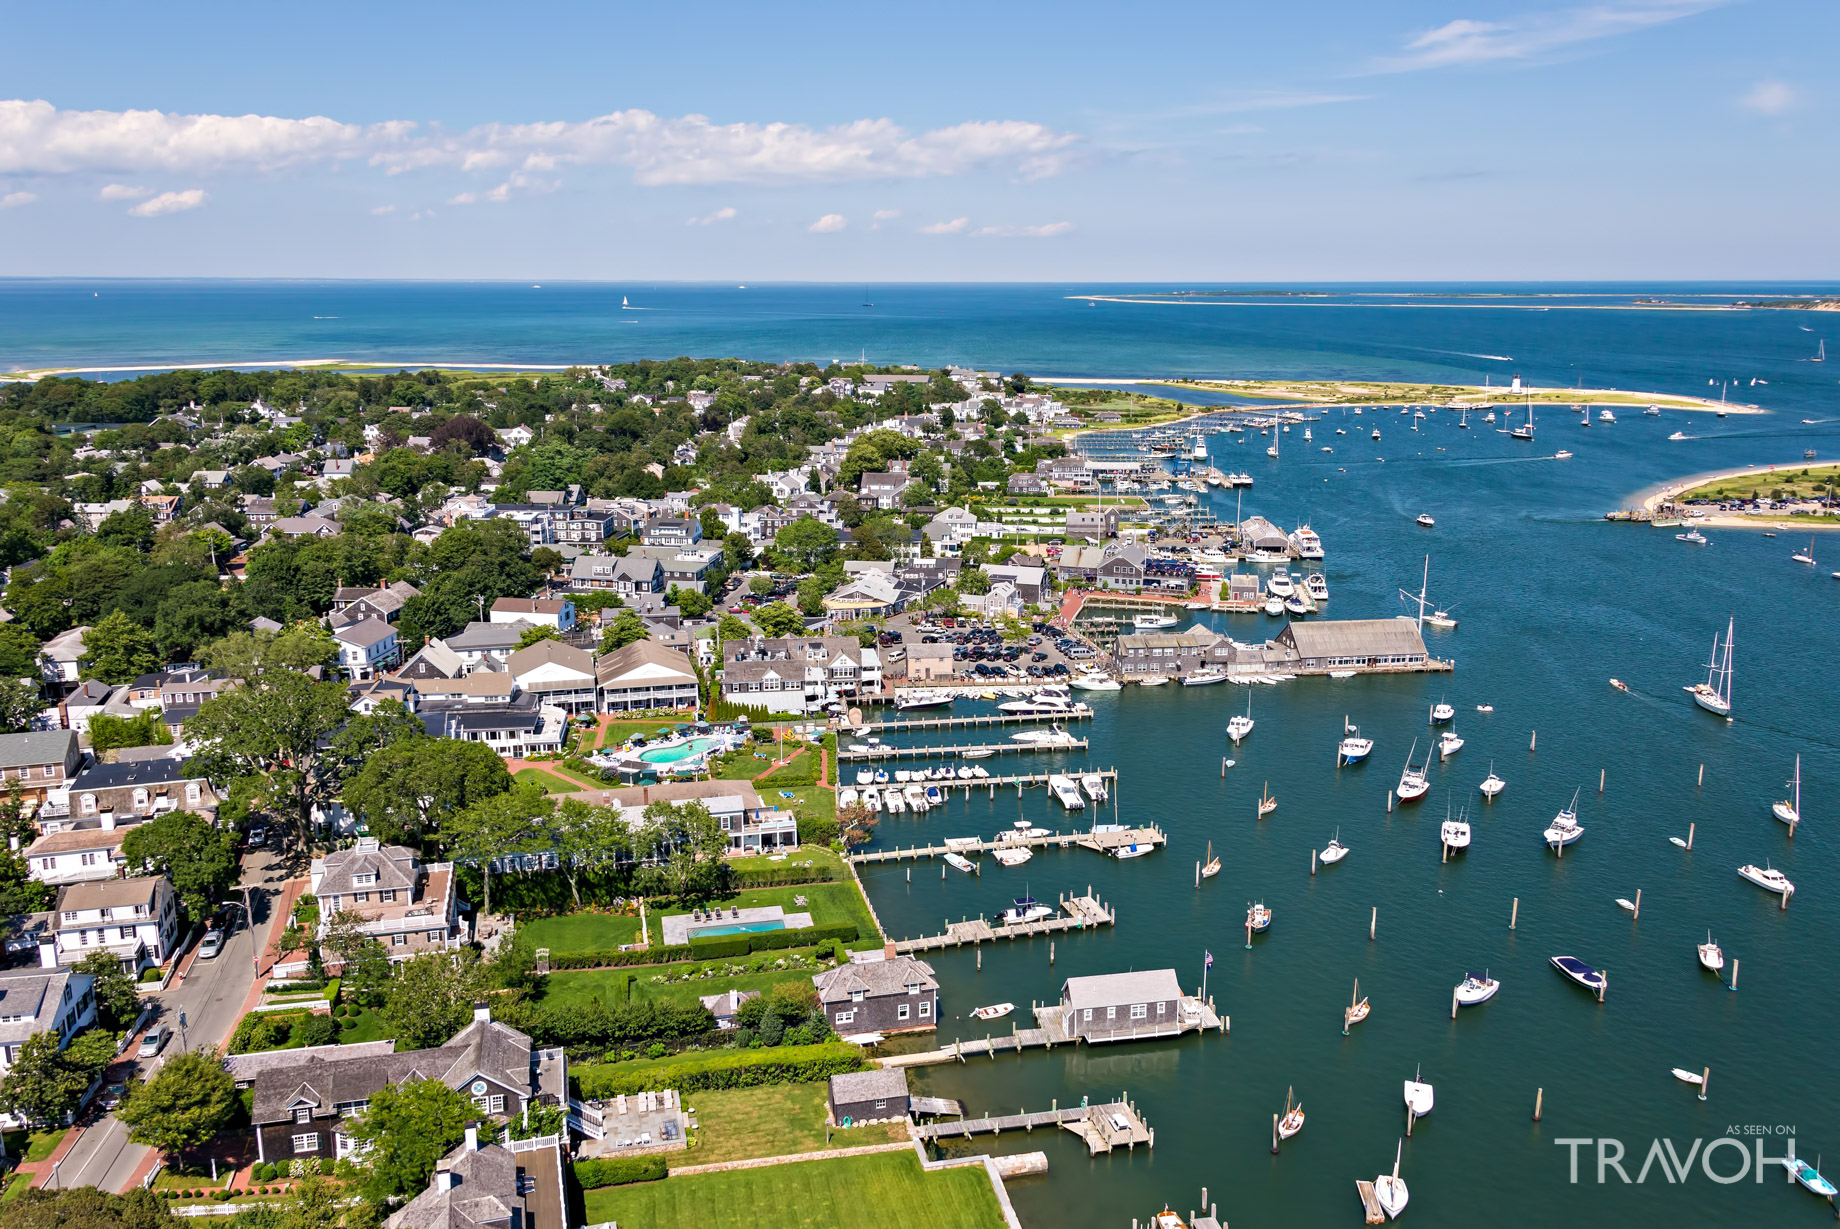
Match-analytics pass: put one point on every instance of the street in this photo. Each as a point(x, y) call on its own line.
point(211, 997)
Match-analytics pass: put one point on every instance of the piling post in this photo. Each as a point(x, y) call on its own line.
point(1701, 784)
point(1197, 876)
point(1248, 932)
point(1274, 1135)
point(1603, 985)
point(1312, 862)
point(1050, 953)
point(980, 960)
point(1453, 1003)
point(1705, 1078)
point(1539, 1096)
point(1514, 915)
point(910, 874)
point(1600, 779)
point(1373, 923)
point(1446, 849)
point(1533, 742)
point(1733, 984)
point(1785, 900)
point(1690, 828)
point(1638, 909)
point(1389, 802)
point(1408, 1122)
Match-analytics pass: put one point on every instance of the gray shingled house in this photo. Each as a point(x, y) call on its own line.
point(896, 994)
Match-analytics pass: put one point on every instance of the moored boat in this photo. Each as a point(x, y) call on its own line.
point(1577, 970)
point(1413, 783)
point(1476, 988)
point(996, 1011)
point(959, 862)
point(1353, 748)
point(1768, 878)
point(1711, 955)
point(1419, 1095)
point(1390, 1189)
point(1565, 827)
point(1334, 851)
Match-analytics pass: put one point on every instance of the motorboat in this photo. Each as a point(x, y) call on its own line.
point(1419, 1095)
point(893, 802)
point(1449, 744)
point(1012, 857)
point(978, 770)
point(1565, 827)
point(1591, 979)
point(1153, 622)
point(872, 798)
point(1477, 988)
point(881, 776)
point(1205, 677)
point(1711, 955)
point(1239, 726)
point(903, 775)
point(1094, 785)
point(1097, 682)
point(1680, 435)
point(1442, 712)
point(1334, 851)
point(1292, 1121)
point(1042, 704)
point(1258, 918)
point(1280, 585)
point(1619, 684)
point(1026, 908)
point(922, 699)
point(1605, 415)
point(1562, 455)
point(865, 776)
point(1768, 878)
point(996, 1011)
point(1485, 708)
point(965, 773)
point(1789, 810)
point(1809, 1176)
point(1053, 736)
point(1492, 784)
point(916, 798)
point(1714, 695)
point(1296, 605)
point(1425, 519)
point(1455, 832)
point(1267, 803)
point(935, 797)
point(1317, 586)
point(959, 862)
point(1390, 1189)
point(1353, 748)
point(1412, 781)
point(846, 797)
point(1376, 434)
point(1274, 606)
point(1153, 680)
point(1694, 537)
point(1443, 619)
point(1133, 850)
point(1066, 792)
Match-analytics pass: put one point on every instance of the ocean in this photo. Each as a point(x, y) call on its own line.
point(1552, 602)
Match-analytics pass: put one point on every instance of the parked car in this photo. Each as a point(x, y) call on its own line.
point(154, 1041)
point(211, 944)
point(258, 836)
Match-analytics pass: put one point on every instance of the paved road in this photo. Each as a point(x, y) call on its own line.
point(211, 998)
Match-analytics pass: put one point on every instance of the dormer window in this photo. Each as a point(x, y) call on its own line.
point(856, 996)
point(88, 803)
point(364, 879)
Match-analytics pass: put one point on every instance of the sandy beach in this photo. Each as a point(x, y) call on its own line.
point(1654, 497)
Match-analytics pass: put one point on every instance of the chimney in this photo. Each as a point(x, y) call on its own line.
point(482, 1014)
point(108, 820)
point(472, 1139)
point(447, 1179)
point(888, 951)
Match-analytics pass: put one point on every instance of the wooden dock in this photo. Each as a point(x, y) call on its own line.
point(954, 752)
point(1079, 712)
point(1370, 1203)
point(1019, 780)
point(1077, 913)
point(1192, 1015)
point(1115, 1124)
point(1103, 842)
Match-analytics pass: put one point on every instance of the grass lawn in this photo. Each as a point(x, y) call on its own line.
point(617, 732)
point(16, 1186)
point(371, 1027)
point(571, 988)
point(890, 1188)
point(36, 1145)
point(740, 1123)
point(588, 780)
point(580, 932)
point(813, 801)
point(802, 769)
point(828, 903)
point(1803, 480)
point(549, 782)
point(814, 855)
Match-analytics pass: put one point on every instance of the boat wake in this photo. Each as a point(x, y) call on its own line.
point(1494, 358)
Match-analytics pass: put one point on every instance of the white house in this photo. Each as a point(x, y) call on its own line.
point(644, 675)
point(557, 674)
point(77, 855)
point(134, 920)
point(60, 654)
point(34, 1001)
point(515, 437)
point(558, 614)
point(366, 647)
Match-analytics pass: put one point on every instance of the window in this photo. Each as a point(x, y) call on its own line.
point(900, 1012)
point(364, 879)
point(89, 859)
point(846, 1017)
point(191, 791)
point(398, 940)
point(306, 1143)
point(926, 1010)
point(497, 1104)
point(89, 804)
point(387, 894)
point(1111, 1013)
point(361, 896)
point(856, 996)
point(50, 771)
point(1088, 1014)
point(303, 1113)
point(127, 932)
point(1161, 1007)
point(1139, 1011)
point(434, 936)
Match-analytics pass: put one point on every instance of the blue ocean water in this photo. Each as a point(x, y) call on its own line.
point(1552, 602)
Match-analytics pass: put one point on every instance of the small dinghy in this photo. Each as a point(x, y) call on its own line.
point(1689, 1077)
point(996, 1011)
point(1267, 804)
point(1419, 1098)
point(1477, 989)
point(1623, 902)
point(1211, 867)
point(1809, 1176)
point(1357, 1009)
point(1678, 840)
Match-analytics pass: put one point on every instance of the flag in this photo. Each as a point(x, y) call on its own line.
point(1207, 961)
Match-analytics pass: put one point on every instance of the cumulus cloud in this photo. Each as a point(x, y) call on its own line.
point(725, 214)
point(829, 224)
point(37, 138)
point(123, 192)
point(1470, 41)
point(12, 200)
point(1770, 98)
point(169, 202)
point(521, 182)
point(955, 227)
point(380, 210)
point(1046, 230)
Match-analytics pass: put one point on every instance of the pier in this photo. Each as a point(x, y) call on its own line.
point(1019, 780)
point(1116, 1124)
point(1077, 913)
point(1192, 1015)
point(1079, 712)
point(1102, 842)
point(954, 752)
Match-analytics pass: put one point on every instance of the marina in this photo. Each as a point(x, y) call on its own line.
point(1100, 841)
point(1078, 712)
point(1102, 1127)
point(1077, 913)
point(961, 751)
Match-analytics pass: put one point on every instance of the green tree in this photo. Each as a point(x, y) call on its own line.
point(20, 702)
point(585, 837)
point(118, 1003)
point(807, 543)
point(760, 586)
point(85, 1207)
point(45, 1083)
point(626, 628)
point(502, 825)
point(811, 595)
point(779, 619)
point(974, 581)
point(144, 729)
point(732, 628)
point(244, 655)
point(405, 790)
point(199, 857)
point(18, 652)
point(537, 634)
point(690, 844)
point(365, 976)
point(431, 997)
point(270, 730)
point(737, 552)
point(118, 650)
point(185, 1104)
point(690, 602)
point(408, 1128)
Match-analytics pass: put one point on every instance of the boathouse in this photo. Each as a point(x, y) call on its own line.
point(1354, 644)
point(1170, 654)
point(1122, 1006)
point(869, 1096)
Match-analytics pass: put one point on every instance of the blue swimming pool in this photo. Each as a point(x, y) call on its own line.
point(734, 928)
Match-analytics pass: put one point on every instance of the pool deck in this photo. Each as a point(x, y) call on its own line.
point(677, 926)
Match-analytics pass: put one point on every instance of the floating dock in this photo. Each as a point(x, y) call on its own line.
point(1370, 1203)
point(1018, 780)
point(1116, 1124)
point(1079, 712)
point(1192, 1015)
point(1077, 913)
point(1103, 842)
point(953, 752)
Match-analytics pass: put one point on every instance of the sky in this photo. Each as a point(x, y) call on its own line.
point(1206, 142)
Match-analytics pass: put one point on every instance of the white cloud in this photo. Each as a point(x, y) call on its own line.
point(725, 214)
point(1469, 41)
point(887, 215)
point(829, 224)
point(123, 192)
point(380, 210)
point(12, 200)
point(37, 138)
point(1046, 230)
point(169, 202)
point(1770, 98)
point(955, 227)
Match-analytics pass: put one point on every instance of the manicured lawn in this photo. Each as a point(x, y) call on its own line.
point(739, 1123)
point(588, 780)
point(805, 855)
point(37, 1145)
point(16, 1186)
point(801, 769)
point(371, 1027)
point(580, 932)
point(605, 984)
point(888, 1188)
point(550, 783)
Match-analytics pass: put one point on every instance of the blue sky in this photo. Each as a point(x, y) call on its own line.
point(1459, 139)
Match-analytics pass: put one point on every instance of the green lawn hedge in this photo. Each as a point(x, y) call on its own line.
point(618, 1171)
point(704, 949)
point(722, 1069)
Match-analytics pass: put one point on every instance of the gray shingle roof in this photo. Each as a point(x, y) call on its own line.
point(874, 978)
point(868, 1085)
point(1357, 638)
point(35, 747)
point(1118, 989)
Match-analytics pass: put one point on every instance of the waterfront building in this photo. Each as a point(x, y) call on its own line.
point(885, 994)
point(1120, 1006)
point(1354, 644)
point(869, 1096)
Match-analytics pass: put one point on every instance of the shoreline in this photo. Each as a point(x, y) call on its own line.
point(29, 375)
point(1653, 497)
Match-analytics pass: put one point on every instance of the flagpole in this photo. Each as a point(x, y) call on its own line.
point(1204, 973)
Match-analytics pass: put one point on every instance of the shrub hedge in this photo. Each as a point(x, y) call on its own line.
point(704, 949)
point(619, 1171)
point(785, 876)
point(722, 1069)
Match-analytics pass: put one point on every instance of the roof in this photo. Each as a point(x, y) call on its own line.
point(111, 893)
point(245, 1067)
point(438, 656)
point(1355, 638)
point(642, 661)
point(476, 636)
point(73, 840)
point(482, 683)
point(550, 652)
point(35, 994)
point(36, 747)
point(875, 978)
point(528, 605)
point(394, 866)
point(133, 772)
point(484, 1190)
point(868, 1085)
point(676, 791)
point(364, 634)
point(1118, 989)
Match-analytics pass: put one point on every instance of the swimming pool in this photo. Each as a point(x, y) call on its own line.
point(671, 753)
point(735, 928)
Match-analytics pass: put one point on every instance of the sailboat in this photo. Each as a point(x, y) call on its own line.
point(1412, 782)
point(1806, 556)
point(1455, 832)
point(1292, 1122)
point(1390, 1189)
point(1714, 695)
point(1463, 420)
point(1790, 809)
point(1524, 432)
point(1212, 867)
point(1272, 450)
point(1419, 1097)
point(1809, 1176)
point(1357, 1009)
point(1267, 804)
point(1820, 351)
point(1238, 727)
point(624, 305)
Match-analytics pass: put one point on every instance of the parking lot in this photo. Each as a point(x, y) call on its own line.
point(980, 654)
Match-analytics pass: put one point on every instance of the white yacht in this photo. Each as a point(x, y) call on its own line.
point(1442, 712)
point(1455, 832)
point(959, 862)
point(1353, 748)
point(922, 699)
point(1492, 784)
point(1604, 415)
point(872, 798)
point(1477, 989)
point(893, 802)
point(1308, 543)
point(1094, 785)
point(1053, 736)
point(1714, 695)
point(1419, 1095)
point(865, 776)
point(846, 797)
point(1280, 585)
point(1449, 744)
point(1426, 519)
point(1274, 606)
point(1412, 781)
point(1239, 726)
point(1066, 793)
point(1097, 682)
point(1441, 618)
point(1204, 677)
point(1153, 622)
point(1317, 586)
point(1334, 851)
point(1768, 878)
point(1565, 827)
point(1051, 702)
point(1711, 955)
